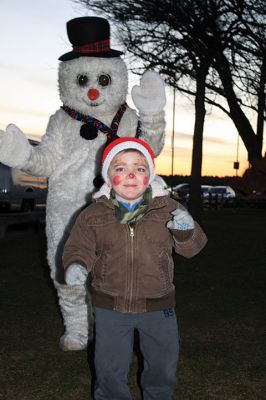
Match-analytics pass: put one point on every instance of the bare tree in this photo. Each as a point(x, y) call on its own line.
point(173, 35)
point(215, 49)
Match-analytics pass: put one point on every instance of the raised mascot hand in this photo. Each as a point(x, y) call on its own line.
point(14, 147)
point(149, 97)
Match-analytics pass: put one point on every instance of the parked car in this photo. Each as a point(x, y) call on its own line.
point(20, 191)
point(225, 192)
point(209, 194)
point(219, 195)
point(205, 193)
point(206, 190)
point(182, 189)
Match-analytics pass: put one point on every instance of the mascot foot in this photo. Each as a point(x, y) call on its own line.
point(73, 342)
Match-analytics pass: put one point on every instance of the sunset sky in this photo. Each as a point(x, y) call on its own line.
point(33, 36)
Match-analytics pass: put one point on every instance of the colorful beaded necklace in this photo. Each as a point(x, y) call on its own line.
point(92, 125)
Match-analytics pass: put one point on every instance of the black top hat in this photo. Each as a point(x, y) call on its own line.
point(90, 37)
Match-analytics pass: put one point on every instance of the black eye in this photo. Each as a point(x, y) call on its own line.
point(82, 80)
point(104, 80)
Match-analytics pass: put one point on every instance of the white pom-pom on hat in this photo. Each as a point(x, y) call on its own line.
point(124, 143)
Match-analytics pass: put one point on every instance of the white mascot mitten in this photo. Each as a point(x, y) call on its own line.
point(149, 97)
point(93, 86)
point(14, 147)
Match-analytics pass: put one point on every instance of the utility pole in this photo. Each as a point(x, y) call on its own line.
point(236, 163)
point(172, 75)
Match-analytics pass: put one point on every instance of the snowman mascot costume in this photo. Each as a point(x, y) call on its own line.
point(93, 86)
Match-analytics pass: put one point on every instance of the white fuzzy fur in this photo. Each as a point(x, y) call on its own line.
point(151, 86)
point(111, 96)
point(7, 139)
point(72, 162)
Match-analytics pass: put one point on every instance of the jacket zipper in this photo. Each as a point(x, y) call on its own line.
point(132, 234)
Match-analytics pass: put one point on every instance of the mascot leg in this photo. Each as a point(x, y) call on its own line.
point(74, 301)
point(75, 305)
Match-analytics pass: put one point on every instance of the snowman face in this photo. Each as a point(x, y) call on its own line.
point(93, 86)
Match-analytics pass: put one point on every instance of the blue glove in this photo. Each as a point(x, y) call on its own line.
point(181, 220)
point(76, 274)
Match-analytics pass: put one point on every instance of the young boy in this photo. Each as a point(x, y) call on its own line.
point(125, 240)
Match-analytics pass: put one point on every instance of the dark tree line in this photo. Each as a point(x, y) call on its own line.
point(213, 50)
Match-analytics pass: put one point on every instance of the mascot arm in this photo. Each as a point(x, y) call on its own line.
point(45, 157)
point(15, 149)
point(149, 98)
point(153, 128)
point(41, 160)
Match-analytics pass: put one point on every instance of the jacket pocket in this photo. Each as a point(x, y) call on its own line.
point(166, 268)
point(99, 269)
point(155, 230)
point(107, 232)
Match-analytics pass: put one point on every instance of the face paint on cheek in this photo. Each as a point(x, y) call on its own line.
point(116, 180)
point(145, 180)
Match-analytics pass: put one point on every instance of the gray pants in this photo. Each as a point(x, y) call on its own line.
point(159, 344)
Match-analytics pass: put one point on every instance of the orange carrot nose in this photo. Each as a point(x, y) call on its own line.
point(93, 94)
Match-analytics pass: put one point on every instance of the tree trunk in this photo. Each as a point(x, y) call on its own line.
point(240, 120)
point(195, 202)
point(261, 103)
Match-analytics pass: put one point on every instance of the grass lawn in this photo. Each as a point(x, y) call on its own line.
point(220, 309)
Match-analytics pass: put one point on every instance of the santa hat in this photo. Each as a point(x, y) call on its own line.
point(125, 143)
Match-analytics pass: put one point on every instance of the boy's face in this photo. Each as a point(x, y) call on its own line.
point(128, 175)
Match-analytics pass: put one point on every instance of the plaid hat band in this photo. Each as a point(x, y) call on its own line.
point(97, 47)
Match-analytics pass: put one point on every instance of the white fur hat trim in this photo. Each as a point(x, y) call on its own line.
point(127, 143)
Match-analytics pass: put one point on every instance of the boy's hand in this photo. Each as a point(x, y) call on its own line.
point(76, 274)
point(182, 220)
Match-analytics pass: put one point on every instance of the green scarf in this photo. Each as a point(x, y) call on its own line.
point(131, 217)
